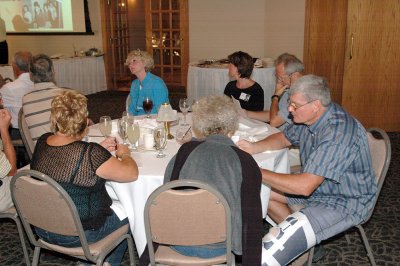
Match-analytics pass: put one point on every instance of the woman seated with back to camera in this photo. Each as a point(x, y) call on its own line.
point(215, 159)
point(82, 168)
point(248, 92)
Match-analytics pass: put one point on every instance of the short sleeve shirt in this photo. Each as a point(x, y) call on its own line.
point(336, 147)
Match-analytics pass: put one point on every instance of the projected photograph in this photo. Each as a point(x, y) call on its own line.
point(36, 15)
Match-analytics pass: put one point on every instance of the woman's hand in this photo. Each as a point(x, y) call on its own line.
point(109, 143)
point(122, 149)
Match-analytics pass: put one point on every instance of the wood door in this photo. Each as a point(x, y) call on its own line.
point(371, 74)
point(167, 39)
point(116, 42)
point(324, 42)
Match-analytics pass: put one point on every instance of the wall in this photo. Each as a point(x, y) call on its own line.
point(284, 27)
point(54, 44)
point(263, 28)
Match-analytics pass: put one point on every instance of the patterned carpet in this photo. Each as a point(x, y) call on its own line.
point(383, 230)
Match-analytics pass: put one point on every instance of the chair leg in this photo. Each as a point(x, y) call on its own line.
point(131, 251)
point(310, 256)
point(366, 245)
point(23, 243)
point(36, 255)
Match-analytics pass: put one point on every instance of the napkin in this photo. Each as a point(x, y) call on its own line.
point(147, 123)
point(251, 130)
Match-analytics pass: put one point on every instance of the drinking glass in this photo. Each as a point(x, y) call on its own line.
point(122, 130)
point(105, 126)
point(147, 106)
point(160, 140)
point(133, 133)
point(184, 106)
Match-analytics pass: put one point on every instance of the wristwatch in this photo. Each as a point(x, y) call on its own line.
point(275, 96)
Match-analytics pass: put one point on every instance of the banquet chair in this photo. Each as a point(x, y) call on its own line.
point(42, 202)
point(12, 214)
point(380, 149)
point(25, 134)
point(186, 212)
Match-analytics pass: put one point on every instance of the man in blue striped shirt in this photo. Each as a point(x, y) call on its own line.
point(336, 187)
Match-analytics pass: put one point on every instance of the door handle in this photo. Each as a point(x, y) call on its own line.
point(351, 46)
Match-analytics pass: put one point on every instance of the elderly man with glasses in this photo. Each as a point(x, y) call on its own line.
point(288, 68)
point(336, 186)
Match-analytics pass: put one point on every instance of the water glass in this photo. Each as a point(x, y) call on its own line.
point(105, 126)
point(160, 141)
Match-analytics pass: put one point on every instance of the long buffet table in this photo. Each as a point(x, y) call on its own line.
point(85, 74)
point(203, 81)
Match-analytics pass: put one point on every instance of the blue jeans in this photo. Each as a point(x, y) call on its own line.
point(111, 224)
point(204, 252)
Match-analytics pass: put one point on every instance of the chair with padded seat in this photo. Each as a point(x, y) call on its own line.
point(25, 134)
point(196, 215)
point(12, 214)
point(41, 202)
point(380, 149)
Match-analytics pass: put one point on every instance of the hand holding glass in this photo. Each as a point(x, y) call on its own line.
point(160, 140)
point(105, 126)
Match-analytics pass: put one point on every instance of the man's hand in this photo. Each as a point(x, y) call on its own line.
point(5, 119)
point(246, 146)
point(280, 88)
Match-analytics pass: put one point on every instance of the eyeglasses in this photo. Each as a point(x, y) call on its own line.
point(295, 106)
point(281, 79)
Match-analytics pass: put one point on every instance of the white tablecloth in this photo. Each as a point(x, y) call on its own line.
point(85, 74)
point(208, 81)
point(130, 198)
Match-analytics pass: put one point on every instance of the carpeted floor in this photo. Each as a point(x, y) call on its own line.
point(383, 230)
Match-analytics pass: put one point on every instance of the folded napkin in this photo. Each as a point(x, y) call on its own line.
point(251, 130)
point(148, 123)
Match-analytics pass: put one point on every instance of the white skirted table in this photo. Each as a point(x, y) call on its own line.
point(129, 198)
point(85, 74)
point(203, 81)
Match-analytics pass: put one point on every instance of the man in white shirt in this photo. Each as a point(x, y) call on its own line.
point(12, 92)
point(8, 161)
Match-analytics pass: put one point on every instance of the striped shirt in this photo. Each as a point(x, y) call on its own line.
point(37, 106)
point(336, 147)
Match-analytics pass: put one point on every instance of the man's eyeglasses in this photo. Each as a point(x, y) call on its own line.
point(295, 106)
point(281, 79)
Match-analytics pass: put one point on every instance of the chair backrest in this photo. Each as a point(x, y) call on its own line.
point(380, 149)
point(42, 202)
point(25, 134)
point(187, 212)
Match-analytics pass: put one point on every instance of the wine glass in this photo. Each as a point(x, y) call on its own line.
point(184, 106)
point(160, 140)
point(105, 126)
point(133, 133)
point(147, 106)
point(122, 130)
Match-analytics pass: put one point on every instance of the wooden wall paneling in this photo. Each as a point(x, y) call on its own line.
point(325, 34)
point(372, 76)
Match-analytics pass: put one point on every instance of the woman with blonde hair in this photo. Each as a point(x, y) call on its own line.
point(140, 64)
point(82, 169)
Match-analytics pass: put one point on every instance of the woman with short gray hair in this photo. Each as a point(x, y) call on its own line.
point(215, 159)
